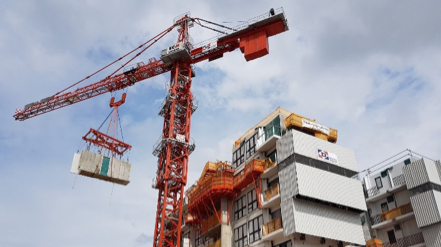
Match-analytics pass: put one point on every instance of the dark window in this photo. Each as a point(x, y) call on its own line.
point(254, 227)
point(378, 182)
point(240, 236)
point(239, 207)
point(390, 199)
point(199, 240)
point(286, 244)
point(384, 207)
point(239, 155)
point(273, 156)
point(251, 145)
point(391, 235)
point(252, 200)
point(276, 214)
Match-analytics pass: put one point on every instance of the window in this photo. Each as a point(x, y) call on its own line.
point(273, 128)
point(390, 199)
point(286, 244)
point(252, 200)
point(273, 156)
point(254, 227)
point(239, 155)
point(384, 207)
point(199, 240)
point(251, 145)
point(391, 235)
point(378, 182)
point(240, 236)
point(276, 214)
point(239, 208)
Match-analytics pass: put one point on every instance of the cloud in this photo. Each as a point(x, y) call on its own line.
point(370, 70)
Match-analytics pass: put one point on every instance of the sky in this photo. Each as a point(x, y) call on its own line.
point(370, 69)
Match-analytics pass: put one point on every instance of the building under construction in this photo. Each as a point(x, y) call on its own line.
point(288, 184)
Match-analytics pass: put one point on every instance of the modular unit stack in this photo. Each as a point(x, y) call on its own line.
point(404, 201)
point(423, 180)
point(101, 167)
point(319, 197)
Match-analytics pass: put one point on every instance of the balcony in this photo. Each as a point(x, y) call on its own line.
point(271, 196)
point(270, 168)
point(272, 230)
point(412, 240)
point(272, 134)
point(393, 216)
point(374, 194)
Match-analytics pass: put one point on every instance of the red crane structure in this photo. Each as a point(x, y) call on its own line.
point(174, 146)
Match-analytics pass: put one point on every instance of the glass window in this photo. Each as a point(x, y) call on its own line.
point(384, 207)
point(240, 236)
point(251, 145)
point(252, 200)
point(239, 208)
point(276, 214)
point(286, 244)
point(239, 155)
point(378, 182)
point(254, 227)
point(273, 156)
point(391, 236)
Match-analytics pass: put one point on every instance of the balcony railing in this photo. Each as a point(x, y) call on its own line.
point(407, 241)
point(399, 180)
point(392, 214)
point(372, 192)
point(271, 192)
point(271, 226)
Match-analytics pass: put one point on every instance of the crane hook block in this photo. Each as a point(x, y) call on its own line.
point(118, 103)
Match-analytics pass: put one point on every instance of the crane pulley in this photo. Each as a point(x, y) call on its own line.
point(175, 145)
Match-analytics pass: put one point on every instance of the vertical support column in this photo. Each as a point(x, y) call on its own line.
point(226, 230)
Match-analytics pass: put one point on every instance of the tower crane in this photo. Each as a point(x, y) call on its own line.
point(174, 146)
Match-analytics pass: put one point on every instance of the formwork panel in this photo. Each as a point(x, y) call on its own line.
point(330, 187)
point(328, 222)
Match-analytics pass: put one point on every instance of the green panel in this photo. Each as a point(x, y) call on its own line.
point(407, 162)
point(105, 166)
point(273, 128)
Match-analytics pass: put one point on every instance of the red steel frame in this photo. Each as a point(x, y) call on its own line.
point(173, 157)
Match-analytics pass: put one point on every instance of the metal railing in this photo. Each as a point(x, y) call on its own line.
point(372, 191)
point(406, 241)
point(392, 214)
point(399, 180)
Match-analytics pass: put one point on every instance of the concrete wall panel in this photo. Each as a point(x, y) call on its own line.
point(432, 235)
point(425, 208)
point(332, 223)
point(308, 146)
point(330, 187)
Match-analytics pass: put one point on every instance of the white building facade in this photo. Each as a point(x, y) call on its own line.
point(309, 197)
point(404, 203)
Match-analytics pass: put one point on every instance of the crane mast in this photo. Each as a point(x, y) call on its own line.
point(175, 145)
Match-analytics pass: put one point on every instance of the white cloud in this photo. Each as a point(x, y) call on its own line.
point(332, 65)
